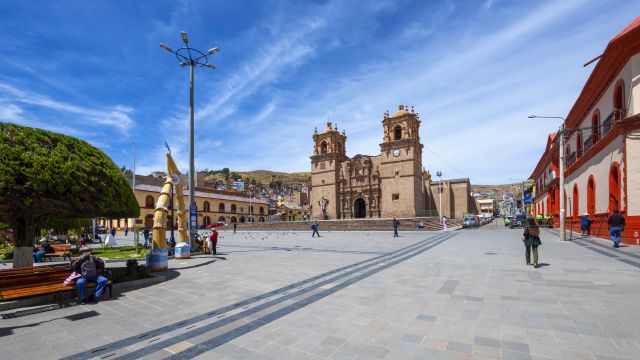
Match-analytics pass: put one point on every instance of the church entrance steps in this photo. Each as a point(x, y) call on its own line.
point(377, 224)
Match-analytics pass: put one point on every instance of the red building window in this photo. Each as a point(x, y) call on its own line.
point(618, 100)
point(614, 187)
point(579, 144)
point(148, 202)
point(576, 202)
point(595, 127)
point(591, 195)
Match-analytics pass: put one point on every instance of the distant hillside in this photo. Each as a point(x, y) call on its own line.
point(262, 178)
point(496, 189)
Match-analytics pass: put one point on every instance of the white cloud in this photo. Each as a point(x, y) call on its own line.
point(116, 117)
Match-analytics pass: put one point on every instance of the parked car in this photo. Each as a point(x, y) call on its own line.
point(469, 222)
point(517, 221)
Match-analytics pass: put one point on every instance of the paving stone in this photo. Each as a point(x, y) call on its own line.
point(449, 302)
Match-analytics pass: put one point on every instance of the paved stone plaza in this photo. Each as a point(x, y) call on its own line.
point(356, 295)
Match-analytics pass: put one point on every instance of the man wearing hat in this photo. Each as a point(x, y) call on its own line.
point(585, 224)
point(89, 267)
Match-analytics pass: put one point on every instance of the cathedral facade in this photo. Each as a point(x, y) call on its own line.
point(387, 185)
point(392, 184)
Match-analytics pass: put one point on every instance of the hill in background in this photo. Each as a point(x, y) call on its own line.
point(262, 178)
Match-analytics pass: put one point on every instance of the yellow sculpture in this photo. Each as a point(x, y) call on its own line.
point(158, 257)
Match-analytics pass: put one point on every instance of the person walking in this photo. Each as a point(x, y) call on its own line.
point(531, 239)
point(213, 239)
point(126, 231)
point(585, 224)
point(89, 267)
point(234, 227)
point(444, 224)
point(314, 228)
point(396, 223)
point(616, 227)
point(113, 231)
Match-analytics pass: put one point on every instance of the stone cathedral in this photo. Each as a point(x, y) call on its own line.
point(392, 184)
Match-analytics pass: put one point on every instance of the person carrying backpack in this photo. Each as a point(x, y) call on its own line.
point(89, 267)
point(531, 240)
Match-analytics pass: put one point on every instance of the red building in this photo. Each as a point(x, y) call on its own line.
point(602, 145)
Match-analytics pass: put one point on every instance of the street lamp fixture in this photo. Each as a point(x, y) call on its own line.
point(193, 58)
point(561, 137)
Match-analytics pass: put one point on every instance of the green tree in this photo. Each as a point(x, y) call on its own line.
point(46, 176)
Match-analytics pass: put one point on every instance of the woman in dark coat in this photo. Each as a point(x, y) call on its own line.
point(531, 238)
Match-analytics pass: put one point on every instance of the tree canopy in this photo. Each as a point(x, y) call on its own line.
point(45, 175)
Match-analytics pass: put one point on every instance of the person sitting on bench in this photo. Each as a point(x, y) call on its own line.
point(38, 255)
point(89, 266)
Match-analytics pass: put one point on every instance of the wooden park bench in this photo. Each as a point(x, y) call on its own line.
point(63, 250)
point(40, 280)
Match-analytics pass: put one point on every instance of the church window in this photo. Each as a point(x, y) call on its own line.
point(395, 196)
point(397, 133)
point(323, 147)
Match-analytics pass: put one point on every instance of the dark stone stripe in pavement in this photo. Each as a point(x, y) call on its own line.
point(630, 262)
point(226, 337)
point(606, 253)
point(386, 263)
point(196, 319)
point(609, 248)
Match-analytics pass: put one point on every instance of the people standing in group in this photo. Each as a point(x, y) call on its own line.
point(396, 223)
point(314, 228)
point(213, 240)
point(531, 239)
point(89, 267)
point(616, 225)
point(444, 224)
point(585, 224)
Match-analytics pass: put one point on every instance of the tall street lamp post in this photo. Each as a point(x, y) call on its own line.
point(188, 56)
point(561, 135)
point(439, 175)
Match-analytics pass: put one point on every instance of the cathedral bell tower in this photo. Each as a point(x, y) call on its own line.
point(401, 164)
point(328, 155)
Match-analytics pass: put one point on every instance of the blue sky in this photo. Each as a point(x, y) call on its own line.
point(473, 70)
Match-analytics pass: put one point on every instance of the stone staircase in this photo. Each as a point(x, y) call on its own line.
point(378, 224)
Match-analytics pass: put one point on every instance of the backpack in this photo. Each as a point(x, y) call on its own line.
point(88, 268)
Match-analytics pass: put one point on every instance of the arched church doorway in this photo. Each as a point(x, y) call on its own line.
point(359, 208)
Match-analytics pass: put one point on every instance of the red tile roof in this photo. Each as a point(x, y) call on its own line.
point(634, 24)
